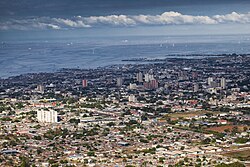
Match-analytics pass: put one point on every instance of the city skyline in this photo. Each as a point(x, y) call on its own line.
point(131, 83)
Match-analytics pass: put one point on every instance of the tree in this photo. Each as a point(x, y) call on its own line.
point(159, 103)
point(206, 141)
point(132, 122)
point(91, 153)
point(245, 128)
point(161, 159)
point(55, 165)
point(144, 117)
point(24, 162)
point(37, 137)
point(198, 165)
point(111, 124)
point(39, 151)
point(235, 130)
point(241, 140)
point(235, 164)
point(73, 120)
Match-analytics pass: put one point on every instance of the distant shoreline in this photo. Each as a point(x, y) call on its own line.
point(137, 61)
point(178, 56)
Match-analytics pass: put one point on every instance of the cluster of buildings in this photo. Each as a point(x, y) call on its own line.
point(189, 112)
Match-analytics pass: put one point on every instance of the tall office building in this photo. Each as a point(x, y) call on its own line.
point(139, 77)
point(47, 116)
point(153, 84)
point(223, 83)
point(84, 83)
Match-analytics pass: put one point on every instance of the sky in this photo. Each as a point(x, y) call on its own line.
point(42, 19)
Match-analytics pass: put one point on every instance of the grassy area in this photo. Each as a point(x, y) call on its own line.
point(243, 155)
point(187, 114)
point(222, 129)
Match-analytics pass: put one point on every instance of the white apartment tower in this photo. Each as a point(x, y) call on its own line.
point(119, 82)
point(223, 83)
point(149, 77)
point(209, 81)
point(47, 116)
point(139, 77)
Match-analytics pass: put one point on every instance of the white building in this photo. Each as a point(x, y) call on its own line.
point(195, 87)
point(40, 88)
point(223, 83)
point(47, 116)
point(132, 86)
point(119, 82)
point(212, 90)
point(139, 77)
point(132, 98)
point(209, 81)
point(149, 77)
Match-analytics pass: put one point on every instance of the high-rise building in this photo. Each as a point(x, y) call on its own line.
point(223, 83)
point(153, 84)
point(196, 87)
point(40, 88)
point(119, 82)
point(146, 77)
point(139, 77)
point(47, 116)
point(149, 77)
point(84, 83)
point(209, 81)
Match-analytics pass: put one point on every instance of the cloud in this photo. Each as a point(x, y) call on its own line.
point(115, 20)
point(42, 23)
point(233, 18)
point(70, 23)
point(173, 18)
point(166, 18)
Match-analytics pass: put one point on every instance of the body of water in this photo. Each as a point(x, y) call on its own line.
point(19, 57)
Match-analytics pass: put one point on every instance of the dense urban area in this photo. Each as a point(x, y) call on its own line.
point(190, 111)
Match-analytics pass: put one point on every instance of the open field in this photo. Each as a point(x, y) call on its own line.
point(187, 114)
point(223, 128)
point(242, 155)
